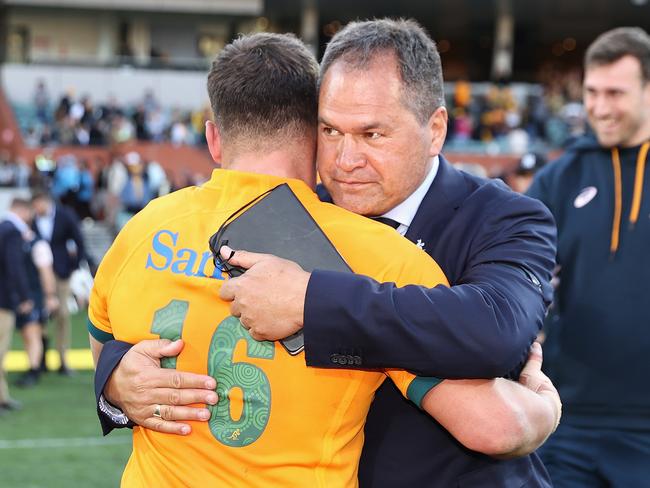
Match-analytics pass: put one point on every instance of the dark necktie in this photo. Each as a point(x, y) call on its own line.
point(386, 221)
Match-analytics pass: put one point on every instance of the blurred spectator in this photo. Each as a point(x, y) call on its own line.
point(157, 178)
point(7, 171)
point(122, 129)
point(140, 122)
point(462, 94)
point(15, 295)
point(42, 284)
point(86, 190)
point(522, 177)
point(136, 192)
point(149, 103)
point(66, 181)
point(60, 228)
point(42, 102)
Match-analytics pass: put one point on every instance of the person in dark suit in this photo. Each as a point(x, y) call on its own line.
point(58, 225)
point(382, 126)
point(15, 296)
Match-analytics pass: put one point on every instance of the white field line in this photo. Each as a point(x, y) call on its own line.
point(63, 442)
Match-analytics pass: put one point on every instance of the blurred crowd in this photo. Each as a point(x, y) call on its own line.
point(497, 118)
point(506, 120)
point(80, 121)
point(111, 193)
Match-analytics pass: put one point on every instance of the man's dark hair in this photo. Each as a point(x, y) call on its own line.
point(264, 85)
point(19, 202)
point(359, 43)
point(40, 193)
point(612, 45)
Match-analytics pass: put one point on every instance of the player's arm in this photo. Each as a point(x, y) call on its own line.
point(16, 273)
point(498, 417)
point(95, 348)
point(43, 260)
point(491, 313)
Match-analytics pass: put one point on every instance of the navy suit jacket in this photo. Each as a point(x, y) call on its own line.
point(14, 282)
point(65, 228)
point(497, 249)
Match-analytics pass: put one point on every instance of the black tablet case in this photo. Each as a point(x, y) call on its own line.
point(277, 223)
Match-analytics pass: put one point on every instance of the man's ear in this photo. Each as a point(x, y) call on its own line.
point(438, 126)
point(213, 137)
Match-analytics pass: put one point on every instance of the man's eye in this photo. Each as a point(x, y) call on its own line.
point(330, 131)
point(373, 135)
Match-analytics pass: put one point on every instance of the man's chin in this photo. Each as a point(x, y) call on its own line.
point(608, 141)
point(355, 205)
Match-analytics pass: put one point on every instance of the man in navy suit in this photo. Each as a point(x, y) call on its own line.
point(58, 225)
point(15, 295)
point(382, 126)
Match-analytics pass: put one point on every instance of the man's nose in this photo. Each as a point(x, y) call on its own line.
point(350, 157)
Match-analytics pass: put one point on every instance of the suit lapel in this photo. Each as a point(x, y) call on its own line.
point(439, 204)
point(57, 224)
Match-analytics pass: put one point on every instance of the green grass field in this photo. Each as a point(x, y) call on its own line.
point(55, 440)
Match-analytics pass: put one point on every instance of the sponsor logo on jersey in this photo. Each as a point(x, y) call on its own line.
point(585, 196)
point(166, 256)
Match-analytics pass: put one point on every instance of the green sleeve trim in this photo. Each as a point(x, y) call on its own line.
point(98, 334)
point(419, 387)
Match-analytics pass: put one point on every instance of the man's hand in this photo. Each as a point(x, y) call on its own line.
point(138, 384)
point(269, 298)
point(51, 303)
point(534, 379)
point(25, 307)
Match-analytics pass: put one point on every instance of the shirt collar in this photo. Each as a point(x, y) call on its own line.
point(19, 223)
point(232, 182)
point(405, 211)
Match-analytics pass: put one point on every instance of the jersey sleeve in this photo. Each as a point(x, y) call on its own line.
point(99, 324)
point(413, 387)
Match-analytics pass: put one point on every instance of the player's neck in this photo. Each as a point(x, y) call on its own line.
point(289, 162)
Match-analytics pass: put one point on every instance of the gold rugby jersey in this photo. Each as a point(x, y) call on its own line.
point(278, 423)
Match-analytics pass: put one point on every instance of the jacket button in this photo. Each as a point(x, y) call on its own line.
point(357, 360)
point(334, 358)
point(343, 360)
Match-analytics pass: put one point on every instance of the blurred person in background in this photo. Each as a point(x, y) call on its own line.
point(86, 191)
point(157, 178)
point(597, 333)
point(42, 286)
point(136, 192)
point(59, 226)
point(41, 101)
point(66, 180)
point(114, 177)
point(522, 177)
point(7, 170)
point(15, 296)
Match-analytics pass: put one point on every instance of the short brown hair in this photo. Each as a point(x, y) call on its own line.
point(264, 86)
point(19, 202)
point(612, 45)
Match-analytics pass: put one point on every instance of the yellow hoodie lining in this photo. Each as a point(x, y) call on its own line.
point(618, 190)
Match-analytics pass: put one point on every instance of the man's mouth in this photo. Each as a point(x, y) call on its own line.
point(607, 125)
point(352, 183)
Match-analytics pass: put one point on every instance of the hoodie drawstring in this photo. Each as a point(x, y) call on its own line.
point(618, 190)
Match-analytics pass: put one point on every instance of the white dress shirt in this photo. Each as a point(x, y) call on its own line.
point(405, 211)
point(45, 224)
